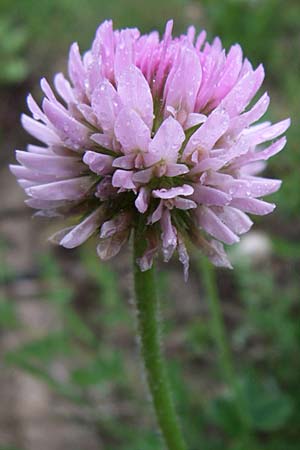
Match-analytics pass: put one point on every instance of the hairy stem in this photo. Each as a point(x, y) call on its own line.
point(149, 335)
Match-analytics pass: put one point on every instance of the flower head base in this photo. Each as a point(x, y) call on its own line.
point(155, 134)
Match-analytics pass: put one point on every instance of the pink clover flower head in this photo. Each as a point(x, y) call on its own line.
point(160, 132)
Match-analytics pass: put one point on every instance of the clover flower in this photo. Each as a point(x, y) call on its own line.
point(156, 134)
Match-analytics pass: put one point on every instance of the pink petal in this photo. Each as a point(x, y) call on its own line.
point(212, 61)
point(191, 31)
point(110, 247)
point(64, 89)
point(146, 48)
point(208, 133)
point(194, 119)
point(230, 72)
point(103, 54)
point(27, 174)
point(123, 179)
point(256, 112)
point(184, 203)
point(95, 72)
point(234, 219)
point(98, 163)
point(253, 206)
point(125, 162)
point(183, 84)
point(259, 187)
point(261, 155)
point(207, 164)
point(36, 110)
point(68, 128)
point(246, 67)
point(157, 214)
point(169, 237)
point(183, 257)
point(211, 223)
point(269, 132)
point(218, 179)
point(142, 200)
point(52, 165)
point(25, 184)
point(175, 170)
point(143, 176)
point(105, 189)
point(40, 150)
point(59, 150)
point(134, 92)
point(146, 261)
point(166, 142)
point(239, 147)
point(185, 190)
point(40, 131)
point(76, 69)
point(239, 97)
point(72, 189)
point(214, 251)
point(36, 203)
point(103, 140)
point(217, 255)
point(125, 50)
point(162, 62)
point(81, 232)
point(119, 223)
point(59, 235)
point(131, 131)
point(87, 113)
point(252, 169)
point(200, 40)
point(105, 104)
point(46, 88)
point(210, 196)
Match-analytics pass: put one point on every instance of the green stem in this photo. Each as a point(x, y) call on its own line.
point(217, 323)
point(149, 334)
point(226, 364)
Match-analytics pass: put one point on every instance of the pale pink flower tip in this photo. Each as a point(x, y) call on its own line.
point(155, 131)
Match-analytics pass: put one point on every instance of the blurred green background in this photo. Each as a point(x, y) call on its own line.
point(70, 375)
